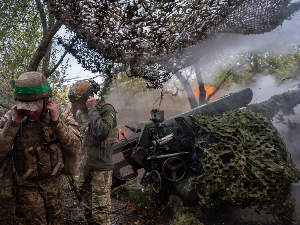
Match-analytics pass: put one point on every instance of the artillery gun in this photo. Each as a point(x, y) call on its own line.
point(227, 150)
point(166, 149)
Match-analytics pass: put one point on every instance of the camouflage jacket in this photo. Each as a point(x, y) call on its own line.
point(99, 132)
point(66, 130)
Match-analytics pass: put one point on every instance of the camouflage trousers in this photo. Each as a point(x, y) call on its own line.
point(35, 206)
point(95, 192)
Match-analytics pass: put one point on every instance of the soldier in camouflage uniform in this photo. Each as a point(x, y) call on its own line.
point(44, 141)
point(97, 121)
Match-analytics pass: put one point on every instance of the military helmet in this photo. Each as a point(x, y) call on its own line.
point(82, 89)
point(30, 89)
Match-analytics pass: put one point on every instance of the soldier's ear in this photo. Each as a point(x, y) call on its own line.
point(47, 99)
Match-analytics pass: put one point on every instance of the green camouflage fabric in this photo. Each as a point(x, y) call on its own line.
point(67, 131)
point(8, 129)
point(7, 180)
point(95, 192)
point(29, 105)
point(98, 125)
point(47, 198)
point(35, 206)
point(249, 165)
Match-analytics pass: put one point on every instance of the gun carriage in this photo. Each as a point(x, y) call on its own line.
point(165, 148)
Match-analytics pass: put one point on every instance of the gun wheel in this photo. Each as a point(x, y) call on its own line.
point(174, 169)
point(156, 181)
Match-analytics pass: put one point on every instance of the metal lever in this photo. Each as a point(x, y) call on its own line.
point(122, 132)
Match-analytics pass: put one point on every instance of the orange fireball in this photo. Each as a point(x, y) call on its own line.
point(209, 89)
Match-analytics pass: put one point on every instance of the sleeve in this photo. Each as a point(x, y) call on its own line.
point(68, 132)
point(102, 122)
point(8, 131)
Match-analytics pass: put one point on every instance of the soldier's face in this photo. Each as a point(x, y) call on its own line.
point(34, 115)
point(80, 104)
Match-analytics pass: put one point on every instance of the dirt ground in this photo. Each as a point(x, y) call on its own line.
point(123, 213)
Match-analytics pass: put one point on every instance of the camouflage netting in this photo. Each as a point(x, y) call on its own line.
point(157, 36)
point(250, 164)
point(150, 31)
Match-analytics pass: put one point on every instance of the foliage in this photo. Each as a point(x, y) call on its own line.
point(59, 90)
point(20, 34)
point(281, 66)
point(6, 93)
point(19, 38)
point(130, 86)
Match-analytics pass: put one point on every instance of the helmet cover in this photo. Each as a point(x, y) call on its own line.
point(82, 89)
point(30, 89)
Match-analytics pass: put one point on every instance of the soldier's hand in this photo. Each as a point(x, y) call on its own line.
point(74, 107)
point(17, 116)
point(53, 110)
point(91, 102)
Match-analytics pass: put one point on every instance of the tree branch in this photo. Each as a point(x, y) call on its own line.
point(46, 60)
point(48, 74)
point(290, 78)
point(43, 17)
point(161, 97)
point(4, 106)
point(42, 48)
point(224, 79)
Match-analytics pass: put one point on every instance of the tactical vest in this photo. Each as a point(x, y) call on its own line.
point(36, 152)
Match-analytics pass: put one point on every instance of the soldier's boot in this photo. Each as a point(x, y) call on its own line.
point(100, 215)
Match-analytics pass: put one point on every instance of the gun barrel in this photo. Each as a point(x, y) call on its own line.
point(232, 101)
point(131, 140)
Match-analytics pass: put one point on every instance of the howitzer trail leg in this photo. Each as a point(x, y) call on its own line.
point(95, 191)
point(37, 206)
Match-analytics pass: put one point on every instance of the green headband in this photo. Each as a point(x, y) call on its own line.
point(31, 90)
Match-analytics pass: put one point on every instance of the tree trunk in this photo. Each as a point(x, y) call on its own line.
point(42, 48)
point(202, 91)
point(188, 89)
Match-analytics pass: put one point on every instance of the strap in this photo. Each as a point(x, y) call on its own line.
point(30, 163)
point(59, 160)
